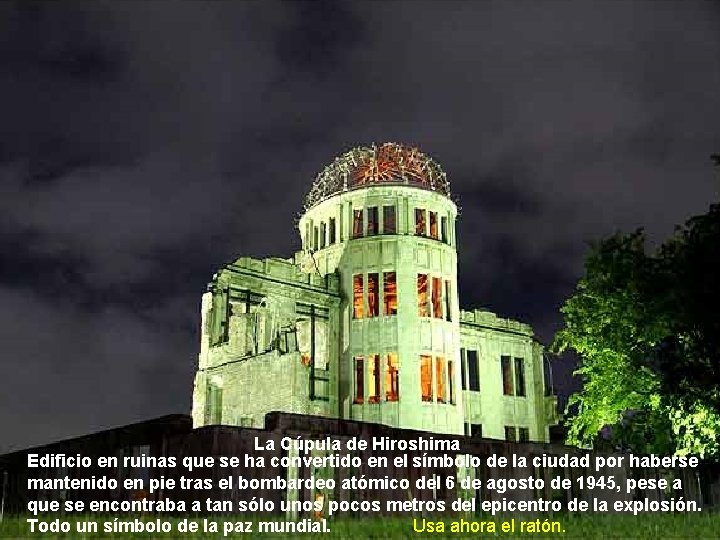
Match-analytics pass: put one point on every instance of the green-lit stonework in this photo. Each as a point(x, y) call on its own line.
point(364, 322)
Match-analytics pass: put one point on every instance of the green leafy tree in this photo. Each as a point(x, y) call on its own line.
point(647, 330)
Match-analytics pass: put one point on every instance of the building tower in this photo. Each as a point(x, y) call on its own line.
point(364, 322)
point(382, 218)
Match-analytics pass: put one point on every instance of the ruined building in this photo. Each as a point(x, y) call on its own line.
point(364, 323)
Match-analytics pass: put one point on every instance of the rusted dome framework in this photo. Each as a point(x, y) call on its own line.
point(389, 163)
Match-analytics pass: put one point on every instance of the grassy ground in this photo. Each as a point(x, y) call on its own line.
point(606, 526)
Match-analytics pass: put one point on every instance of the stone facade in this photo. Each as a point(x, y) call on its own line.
point(508, 398)
point(262, 324)
point(364, 322)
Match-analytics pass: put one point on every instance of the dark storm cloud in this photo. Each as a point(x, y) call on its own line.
point(21, 266)
point(501, 193)
point(317, 35)
point(143, 145)
point(39, 38)
point(73, 370)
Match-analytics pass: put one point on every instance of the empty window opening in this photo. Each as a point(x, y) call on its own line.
point(510, 434)
point(389, 293)
point(214, 404)
point(389, 226)
point(323, 234)
point(507, 379)
point(357, 230)
point(463, 370)
point(448, 316)
point(373, 295)
point(342, 223)
point(316, 234)
point(451, 381)
point(472, 367)
point(392, 391)
point(434, 225)
point(443, 229)
point(440, 375)
point(422, 294)
point(373, 226)
point(437, 298)
point(331, 240)
point(304, 339)
point(523, 434)
point(358, 303)
point(288, 340)
point(359, 379)
point(426, 377)
point(374, 369)
point(476, 430)
point(420, 222)
point(519, 377)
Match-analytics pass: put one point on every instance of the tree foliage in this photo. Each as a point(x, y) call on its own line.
point(647, 330)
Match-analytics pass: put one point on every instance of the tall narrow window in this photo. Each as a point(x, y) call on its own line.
point(443, 229)
point(426, 377)
point(288, 341)
point(389, 293)
point(303, 329)
point(451, 385)
point(420, 222)
point(472, 367)
point(422, 295)
point(437, 298)
point(358, 304)
point(373, 225)
point(357, 230)
point(331, 241)
point(434, 226)
point(389, 226)
point(359, 379)
point(440, 374)
point(374, 367)
point(463, 370)
point(323, 234)
point(519, 377)
point(448, 315)
point(316, 236)
point(342, 222)
point(506, 367)
point(548, 382)
point(392, 391)
point(373, 295)
point(214, 404)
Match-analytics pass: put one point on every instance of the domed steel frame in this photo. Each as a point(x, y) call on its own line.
point(389, 163)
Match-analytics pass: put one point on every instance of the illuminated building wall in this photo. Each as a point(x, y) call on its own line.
point(364, 323)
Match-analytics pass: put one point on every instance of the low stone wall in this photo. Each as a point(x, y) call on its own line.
point(172, 436)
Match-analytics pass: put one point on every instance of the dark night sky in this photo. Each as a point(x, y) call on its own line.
point(143, 145)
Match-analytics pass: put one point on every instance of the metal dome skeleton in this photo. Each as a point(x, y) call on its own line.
point(389, 163)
